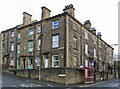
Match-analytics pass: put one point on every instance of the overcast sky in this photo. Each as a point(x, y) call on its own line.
point(103, 14)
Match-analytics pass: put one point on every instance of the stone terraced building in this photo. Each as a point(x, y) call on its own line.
point(61, 42)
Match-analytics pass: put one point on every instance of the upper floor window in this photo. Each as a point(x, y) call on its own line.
point(74, 27)
point(100, 54)
point(55, 24)
point(3, 36)
point(110, 56)
point(12, 34)
point(74, 61)
point(30, 46)
point(55, 41)
point(55, 61)
point(39, 43)
point(86, 35)
point(39, 29)
point(12, 46)
point(95, 42)
point(75, 43)
point(18, 48)
point(100, 67)
point(94, 52)
point(24, 48)
point(86, 48)
point(31, 31)
point(18, 35)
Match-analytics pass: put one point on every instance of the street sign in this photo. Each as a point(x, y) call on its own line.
point(37, 60)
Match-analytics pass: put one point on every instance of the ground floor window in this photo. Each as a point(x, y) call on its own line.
point(18, 63)
point(55, 61)
point(30, 64)
point(12, 62)
point(86, 63)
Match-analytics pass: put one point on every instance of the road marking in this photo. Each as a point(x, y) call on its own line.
point(91, 84)
point(14, 86)
point(23, 85)
point(50, 85)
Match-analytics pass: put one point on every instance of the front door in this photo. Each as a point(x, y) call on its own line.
point(23, 63)
point(46, 62)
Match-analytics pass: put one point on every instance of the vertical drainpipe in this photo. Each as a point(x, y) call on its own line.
point(8, 46)
point(65, 41)
point(81, 46)
point(34, 43)
point(15, 51)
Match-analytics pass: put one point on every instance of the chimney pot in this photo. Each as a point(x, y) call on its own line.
point(45, 12)
point(70, 9)
point(87, 24)
point(26, 18)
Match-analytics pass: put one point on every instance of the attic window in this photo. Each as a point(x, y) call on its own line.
point(55, 24)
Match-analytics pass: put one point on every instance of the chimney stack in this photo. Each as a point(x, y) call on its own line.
point(26, 18)
point(87, 24)
point(69, 9)
point(45, 12)
point(99, 35)
point(93, 31)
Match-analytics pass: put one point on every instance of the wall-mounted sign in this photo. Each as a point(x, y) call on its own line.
point(62, 75)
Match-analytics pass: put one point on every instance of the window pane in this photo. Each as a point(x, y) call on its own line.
point(39, 43)
point(55, 60)
point(86, 48)
point(31, 31)
point(18, 34)
point(86, 63)
point(55, 24)
point(12, 46)
point(39, 29)
point(12, 34)
point(56, 41)
point(31, 46)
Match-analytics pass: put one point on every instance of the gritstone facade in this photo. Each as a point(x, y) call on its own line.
point(63, 44)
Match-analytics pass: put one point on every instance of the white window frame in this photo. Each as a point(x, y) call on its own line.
point(86, 62)
point(55, 24)
point(30, 64)
point(55, 41)
point(29, 44)
point(18, 34)
point(12, 34)
point(39, 29)
point(53, 60)
point(95, 52)
point(18, 48)
point(11, 62)
point(30, 31)
point(99, 54)
point(75, 60)
point(12, 46)
point(86, 48)
point(95, 42)
point(39, 44)
point(75, 43)
point(74, 27)
point(86, 34)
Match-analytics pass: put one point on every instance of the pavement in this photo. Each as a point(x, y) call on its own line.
point(26, 82)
